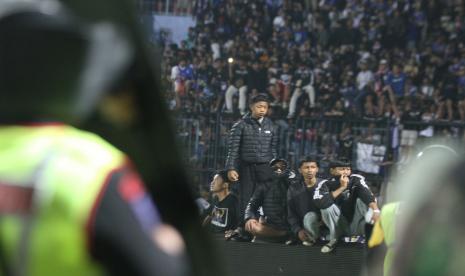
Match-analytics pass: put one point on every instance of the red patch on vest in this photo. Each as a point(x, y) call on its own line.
point(15, 200)
point(131, 187)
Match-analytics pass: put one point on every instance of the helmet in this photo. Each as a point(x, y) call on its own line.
point(53, 66)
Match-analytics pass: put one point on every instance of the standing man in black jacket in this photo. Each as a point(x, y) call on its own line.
point(344, 201)
point(302, 214)
point(252, 145)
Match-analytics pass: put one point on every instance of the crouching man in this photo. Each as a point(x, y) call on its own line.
point(271, 196)
point(344, 200)
point(303, 216)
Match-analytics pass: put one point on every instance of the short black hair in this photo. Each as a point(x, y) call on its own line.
point(308, 159)
point(224, 175)
point(260, 98)
point(339, 163)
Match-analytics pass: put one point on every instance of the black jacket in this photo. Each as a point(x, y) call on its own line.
point(251, 142)
point(357, 188)
point(271, 196)
point(299, 203)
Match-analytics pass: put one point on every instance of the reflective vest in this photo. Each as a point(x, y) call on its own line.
point(388, 221)
point(50, 177)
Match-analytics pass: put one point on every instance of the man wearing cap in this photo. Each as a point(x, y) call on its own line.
point(345, 201)
point(252, 145)
point(271, 196)
point(222, 214)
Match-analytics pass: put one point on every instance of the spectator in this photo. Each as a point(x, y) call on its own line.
point(271, 196)
point(447, 96)
point(396, 80)
point(238, 75)
point(257, 80)
point(344, 201)
point(302, 214)
point(365, 76)
point(303, 81)
point(181, 76)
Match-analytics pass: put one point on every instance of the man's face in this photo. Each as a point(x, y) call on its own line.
point(259, 109)
point(217, 184)
point(308, 170)
point(279, 167)
point(338, 171)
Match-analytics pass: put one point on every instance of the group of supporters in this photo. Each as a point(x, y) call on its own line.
point(259, 198)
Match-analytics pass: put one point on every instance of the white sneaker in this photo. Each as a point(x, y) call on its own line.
point(308, 243)
point(329, 246)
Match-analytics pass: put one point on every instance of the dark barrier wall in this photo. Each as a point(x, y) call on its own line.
point(244, 259)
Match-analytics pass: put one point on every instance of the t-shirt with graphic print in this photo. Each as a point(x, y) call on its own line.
point(224, 214)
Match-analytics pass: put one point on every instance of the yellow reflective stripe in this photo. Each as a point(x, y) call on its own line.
point(388, 222)
point(377, 235)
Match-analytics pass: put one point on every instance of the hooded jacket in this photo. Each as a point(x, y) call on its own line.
point(271, 196)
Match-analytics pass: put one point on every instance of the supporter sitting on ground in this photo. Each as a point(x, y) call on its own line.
point(223, 210)
point(344, 200)
point(302, 214)
point(271, 196)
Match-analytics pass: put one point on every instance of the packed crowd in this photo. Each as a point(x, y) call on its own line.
point(374, 59)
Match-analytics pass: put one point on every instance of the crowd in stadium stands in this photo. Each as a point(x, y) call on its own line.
point(403, 60)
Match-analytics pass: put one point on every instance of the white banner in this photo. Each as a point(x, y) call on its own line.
point(369, 157)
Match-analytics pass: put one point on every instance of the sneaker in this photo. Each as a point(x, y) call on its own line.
point(308, 243)
point(329, 246)
point(290, 242)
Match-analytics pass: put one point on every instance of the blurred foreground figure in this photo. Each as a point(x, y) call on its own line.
point(70, 203)
point(421, 225)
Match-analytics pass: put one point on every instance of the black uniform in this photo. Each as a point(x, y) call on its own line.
point(251, 147)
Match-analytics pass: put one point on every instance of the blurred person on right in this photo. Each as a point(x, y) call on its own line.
point(345, 201)
point(421, 223)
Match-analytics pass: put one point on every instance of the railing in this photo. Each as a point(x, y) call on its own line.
point(204, 140)
point(169, 7)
